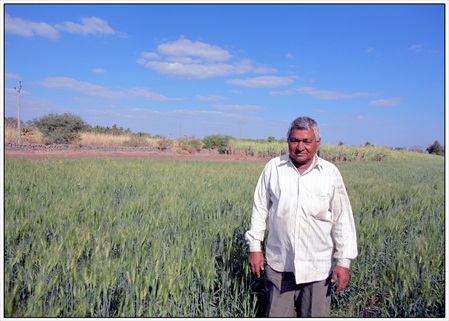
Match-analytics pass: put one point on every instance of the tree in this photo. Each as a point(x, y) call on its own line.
point(59, 129)
point(435, 148)
point(271, 139)
point(218, 142)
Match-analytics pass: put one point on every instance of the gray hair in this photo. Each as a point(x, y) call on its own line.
point(304, 123)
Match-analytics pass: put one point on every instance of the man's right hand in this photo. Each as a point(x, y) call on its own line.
point(256, 262)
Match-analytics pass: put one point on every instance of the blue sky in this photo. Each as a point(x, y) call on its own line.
point(364, 72)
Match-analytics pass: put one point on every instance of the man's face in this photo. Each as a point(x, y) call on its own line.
point(302, 146)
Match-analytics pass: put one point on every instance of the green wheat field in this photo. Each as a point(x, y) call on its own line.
point(147, 238)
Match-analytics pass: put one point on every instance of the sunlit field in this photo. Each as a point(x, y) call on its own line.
point(144, 238)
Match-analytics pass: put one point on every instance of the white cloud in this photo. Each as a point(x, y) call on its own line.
point(209, 98)
point(416, 48)
point(100, 91)
point(88, 26)
point(80, 86)
point(99, 70)
point(197, 70)
point(189, 113)
point(182, 113)
point(26, 28)
point(186, 48)
point(264, 70)
point(145, 93)
point(11, 90)
point(323, 94)
point(147, 111)
point(386, 102)
point(238, 108)
point(188, 59)
point(9, 75)
point(149, 55)
point(184, 60)
point(197, 114)
point(263, 81)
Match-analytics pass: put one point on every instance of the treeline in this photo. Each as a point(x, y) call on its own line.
point(114, 130)
point(66, 128)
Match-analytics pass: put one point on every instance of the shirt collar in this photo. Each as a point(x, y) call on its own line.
point(285, 159)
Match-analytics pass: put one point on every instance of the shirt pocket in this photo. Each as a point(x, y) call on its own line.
point(317, 206)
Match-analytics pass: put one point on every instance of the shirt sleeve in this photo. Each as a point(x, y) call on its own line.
point(261, 204)
point(343, 227)
point(346, 263)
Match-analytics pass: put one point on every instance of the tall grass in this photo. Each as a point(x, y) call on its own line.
point(332, 153)
point(141, 238)
point(95, 139)
point(258, 148)
point(29, 135)
point(399, 212)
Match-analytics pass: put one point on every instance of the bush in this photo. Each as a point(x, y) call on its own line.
point(165, 143)
point(59, 129)
point(191, 144)
point(218, 142)
point(136, 141)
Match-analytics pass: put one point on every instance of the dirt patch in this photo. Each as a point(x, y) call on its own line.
point(39, 152)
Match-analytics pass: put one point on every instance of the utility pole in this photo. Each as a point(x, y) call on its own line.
point(18, 112)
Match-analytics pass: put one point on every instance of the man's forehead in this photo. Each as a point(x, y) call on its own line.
point(302, 133)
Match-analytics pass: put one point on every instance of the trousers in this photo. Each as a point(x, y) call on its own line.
point(288, 299)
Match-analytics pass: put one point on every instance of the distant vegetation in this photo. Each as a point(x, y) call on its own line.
point(59, 129)
point(69, 128)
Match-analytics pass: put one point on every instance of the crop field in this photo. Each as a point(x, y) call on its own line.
point(148, 238)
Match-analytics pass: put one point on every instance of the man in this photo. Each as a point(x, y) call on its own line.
point(301, 200)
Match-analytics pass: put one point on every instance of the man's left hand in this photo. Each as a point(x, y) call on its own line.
point(342, 275)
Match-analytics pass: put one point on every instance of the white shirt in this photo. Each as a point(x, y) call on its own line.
point(308, 217)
